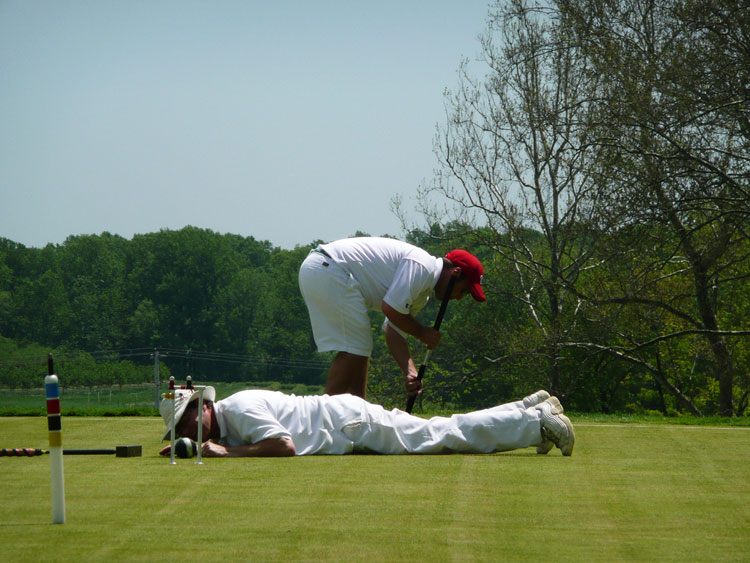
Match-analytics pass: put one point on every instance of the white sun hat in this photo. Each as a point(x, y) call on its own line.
point(182, 398)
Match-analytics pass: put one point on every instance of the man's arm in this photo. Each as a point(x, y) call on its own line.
point(270, 447)
point(428, 335)
point(400, 350)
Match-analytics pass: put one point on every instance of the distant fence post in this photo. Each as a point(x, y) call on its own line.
point(155, 356)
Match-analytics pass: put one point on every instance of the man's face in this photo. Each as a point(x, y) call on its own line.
point(460, 288)
point(187, 427)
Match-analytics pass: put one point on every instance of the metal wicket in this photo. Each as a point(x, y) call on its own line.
point(171, 395)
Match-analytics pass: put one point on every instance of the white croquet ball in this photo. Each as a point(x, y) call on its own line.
point(185, 447)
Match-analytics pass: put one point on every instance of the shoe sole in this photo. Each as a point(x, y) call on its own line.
point(552, 408)
point(567, 448)
point(544, 448)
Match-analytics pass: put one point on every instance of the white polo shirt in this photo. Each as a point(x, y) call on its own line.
point(313, 422)
point(389, 270)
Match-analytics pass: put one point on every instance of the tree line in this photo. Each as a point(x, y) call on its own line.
point(186, 290)
point(227, 308)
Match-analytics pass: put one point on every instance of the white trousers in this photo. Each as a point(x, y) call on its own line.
point(502, 428)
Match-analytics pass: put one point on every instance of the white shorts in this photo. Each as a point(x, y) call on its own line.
point(338, 313)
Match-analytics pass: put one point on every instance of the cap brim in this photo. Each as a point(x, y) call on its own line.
point(477, 293)
point(178, 416)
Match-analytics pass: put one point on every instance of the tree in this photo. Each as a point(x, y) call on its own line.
point(180, 273)
point(672, 96)
point(92, 268)
point(281, 327)
point(515, 155)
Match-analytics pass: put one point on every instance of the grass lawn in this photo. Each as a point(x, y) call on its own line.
point(630, 492)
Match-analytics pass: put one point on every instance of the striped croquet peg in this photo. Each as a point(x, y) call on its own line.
point(54, 426)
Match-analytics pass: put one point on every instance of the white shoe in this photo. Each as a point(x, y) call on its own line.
point(557, 407)
point(535, 398)
point(556, 427)
point(545, 447)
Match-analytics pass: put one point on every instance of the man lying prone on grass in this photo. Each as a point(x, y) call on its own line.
point(270, 423)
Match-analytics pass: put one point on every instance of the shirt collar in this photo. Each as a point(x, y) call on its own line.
point(438, 270)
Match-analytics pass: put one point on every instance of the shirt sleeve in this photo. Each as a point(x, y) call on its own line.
point(409, 291)
point(410, 287)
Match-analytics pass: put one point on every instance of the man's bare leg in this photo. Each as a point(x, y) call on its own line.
point(348, 374)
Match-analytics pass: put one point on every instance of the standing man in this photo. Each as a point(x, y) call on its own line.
point(342, 280)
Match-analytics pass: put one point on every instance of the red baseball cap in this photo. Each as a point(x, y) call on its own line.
point(471, 268)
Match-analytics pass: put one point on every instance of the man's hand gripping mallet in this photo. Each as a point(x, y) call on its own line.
point(436, 326)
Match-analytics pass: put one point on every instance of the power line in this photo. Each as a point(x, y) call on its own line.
point(172, 353)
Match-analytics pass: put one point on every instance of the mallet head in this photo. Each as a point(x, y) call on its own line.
point(128, 451)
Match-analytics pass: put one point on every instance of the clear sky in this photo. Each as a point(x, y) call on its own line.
point(288, 121)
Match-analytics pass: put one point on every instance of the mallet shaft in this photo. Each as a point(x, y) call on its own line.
point(436, 326)
point(89, 452)
point(120, 451)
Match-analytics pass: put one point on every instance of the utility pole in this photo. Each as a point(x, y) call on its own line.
point(155, 356)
